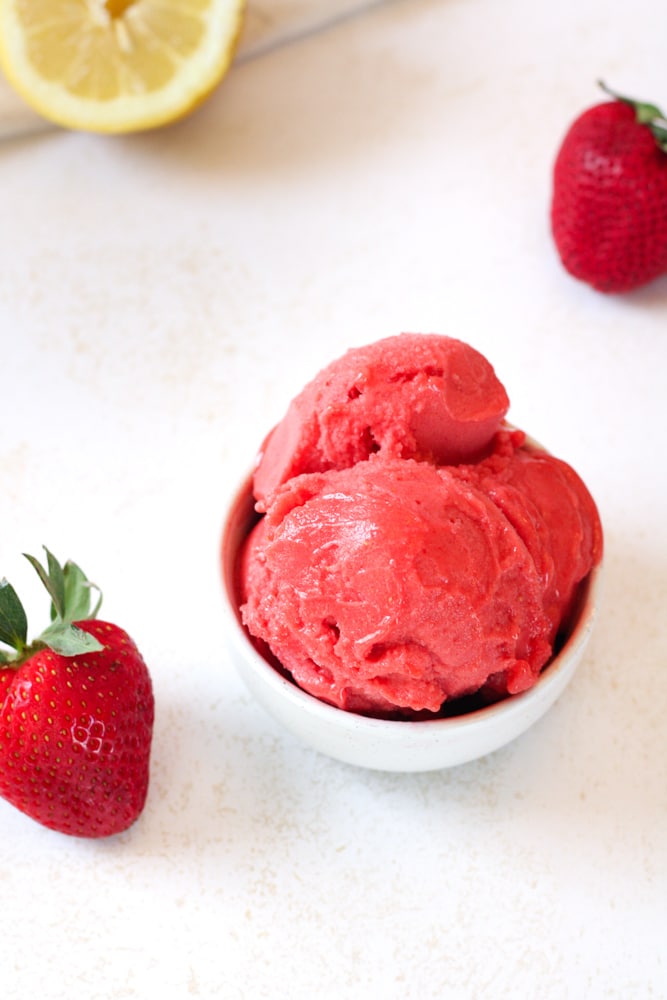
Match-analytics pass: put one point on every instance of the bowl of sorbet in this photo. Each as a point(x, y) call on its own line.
point(466, 729)
point(410, 582)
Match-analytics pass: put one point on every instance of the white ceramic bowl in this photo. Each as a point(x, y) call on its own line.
point(377, 743)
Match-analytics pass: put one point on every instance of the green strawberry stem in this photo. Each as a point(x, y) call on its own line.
point(646, 114)
point(70, 592)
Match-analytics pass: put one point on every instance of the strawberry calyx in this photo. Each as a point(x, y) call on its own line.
point(646, 114)
point(71, 598)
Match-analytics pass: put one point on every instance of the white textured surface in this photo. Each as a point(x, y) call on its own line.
point(161, 298)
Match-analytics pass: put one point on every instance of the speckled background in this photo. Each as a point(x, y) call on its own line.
point(162, 296)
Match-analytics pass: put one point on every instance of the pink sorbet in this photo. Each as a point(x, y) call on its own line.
point(410, 396)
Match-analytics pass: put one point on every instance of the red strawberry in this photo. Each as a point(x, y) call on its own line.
point(76, 712)
point(609, 207)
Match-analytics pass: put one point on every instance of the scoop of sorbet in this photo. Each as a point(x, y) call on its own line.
point(552, 511)
point(421, 396)
point(394, 586)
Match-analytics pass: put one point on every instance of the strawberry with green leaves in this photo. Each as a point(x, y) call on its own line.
point(76, 711)
point(609, 205)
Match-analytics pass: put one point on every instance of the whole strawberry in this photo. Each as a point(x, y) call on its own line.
point(76, 712)
point(609, 206)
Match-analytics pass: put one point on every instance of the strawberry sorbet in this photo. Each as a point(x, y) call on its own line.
point(400, 564)
point(426, 397)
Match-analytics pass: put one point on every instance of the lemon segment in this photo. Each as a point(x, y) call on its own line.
point(119, 65)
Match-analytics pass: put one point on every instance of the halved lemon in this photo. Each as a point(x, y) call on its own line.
point(119, 65)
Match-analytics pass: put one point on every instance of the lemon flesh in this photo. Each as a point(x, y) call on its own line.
point(119, 65)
